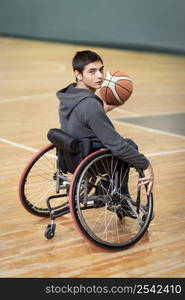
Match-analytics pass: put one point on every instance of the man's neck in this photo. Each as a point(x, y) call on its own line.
point(81, 85)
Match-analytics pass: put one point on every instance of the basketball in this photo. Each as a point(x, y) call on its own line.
point(116, 88)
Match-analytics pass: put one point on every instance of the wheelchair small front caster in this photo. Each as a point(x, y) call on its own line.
point(50, 231)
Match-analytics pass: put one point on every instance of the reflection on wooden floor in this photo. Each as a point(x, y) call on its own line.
point(31, 72)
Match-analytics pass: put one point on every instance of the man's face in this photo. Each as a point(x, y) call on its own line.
point(91, 77)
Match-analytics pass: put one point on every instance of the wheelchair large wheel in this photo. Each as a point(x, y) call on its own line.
point(38, 182)
point(107, 207)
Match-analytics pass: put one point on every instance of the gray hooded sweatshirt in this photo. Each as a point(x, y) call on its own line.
point(82, 115)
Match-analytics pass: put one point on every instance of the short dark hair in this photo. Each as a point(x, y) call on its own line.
point(83, 58)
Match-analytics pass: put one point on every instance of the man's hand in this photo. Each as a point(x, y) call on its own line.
point(108, 107)
point(147, 179)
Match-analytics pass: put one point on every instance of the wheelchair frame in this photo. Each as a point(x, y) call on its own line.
point(108, 213)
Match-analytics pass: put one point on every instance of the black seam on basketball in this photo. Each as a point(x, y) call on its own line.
point(108, 85)
point(110, 88)
point(106, 90)
point(119, 85)
point(109, 82)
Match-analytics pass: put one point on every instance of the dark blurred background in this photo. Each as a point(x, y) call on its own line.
point(130, 24)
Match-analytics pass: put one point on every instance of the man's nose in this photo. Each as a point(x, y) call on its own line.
point(99, 74)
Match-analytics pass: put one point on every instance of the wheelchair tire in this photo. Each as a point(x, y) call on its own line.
point(125, 213)
point(37, 182)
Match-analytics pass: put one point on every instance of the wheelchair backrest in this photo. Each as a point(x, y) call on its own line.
point(70, 150)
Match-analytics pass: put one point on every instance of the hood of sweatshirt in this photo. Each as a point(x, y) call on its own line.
point(70, 97)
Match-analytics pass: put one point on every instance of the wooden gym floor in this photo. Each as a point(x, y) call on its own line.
point(31, 72)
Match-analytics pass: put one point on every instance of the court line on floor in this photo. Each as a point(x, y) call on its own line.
point(165, 152)
point(148, 129)
point(146, 115)
point(36, 150)
point(22, 98)
point(5, 141)
point(133, 114)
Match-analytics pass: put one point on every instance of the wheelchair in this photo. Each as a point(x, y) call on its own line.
point(100, 191)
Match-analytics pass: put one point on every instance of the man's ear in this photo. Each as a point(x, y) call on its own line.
point(78, 75)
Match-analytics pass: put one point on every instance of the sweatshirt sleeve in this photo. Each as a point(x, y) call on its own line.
point(102, 127)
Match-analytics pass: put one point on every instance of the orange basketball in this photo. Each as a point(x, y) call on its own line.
point(116, 88)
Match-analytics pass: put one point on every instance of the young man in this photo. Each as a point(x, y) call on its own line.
point(83, 114)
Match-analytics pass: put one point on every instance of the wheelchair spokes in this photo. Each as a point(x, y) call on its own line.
point(40, 180)
point(115, 217)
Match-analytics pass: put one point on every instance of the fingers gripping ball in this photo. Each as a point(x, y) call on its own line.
point(116, 88)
